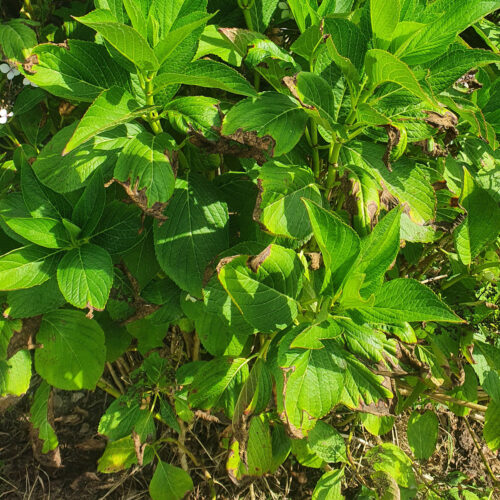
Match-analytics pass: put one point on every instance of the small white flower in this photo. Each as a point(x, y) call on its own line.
point(27, 82)
point(11, 71)
point(4, 116)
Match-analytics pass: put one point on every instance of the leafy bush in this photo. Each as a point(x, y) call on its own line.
point(275, 215)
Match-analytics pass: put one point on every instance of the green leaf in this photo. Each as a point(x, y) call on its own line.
point(40, 419)
point(279, 207)
point(194, 113)
point(119, 228)
point(69, 172)
point(171, 41)
point(476, 231)
point(307, 43)
point(403, 300)
point(206, 73)
point(16, 38)
point(407, 182)
point(120, 455)
point(378, 251)
point(327, 443)
point(39, 200)
point(338, 243)
point(318, 98)
point(125, 415)
point(423, 433)
point(491, 430)
point(261, 13)
point(214, 43)
point(73, 352)
point(169, 482)
point(264, 287)
point(15, 374)
point(275, 121)
point(88, 209)
point(43, 231)
point(111, 108)
point(384, 19)
point(329, 486)
point(454, 63)
point(26, 267)
point(301, 395)
point(381, 67)
point(376, 425)
point(36, 300)
point(447, 19)
point(218, 384)
point(7, 330)
point(123, 38)
point(70, 71)
point(146, 165)
point(193, 234)
point(137, 14)
point(85, 276)
point(390, 459)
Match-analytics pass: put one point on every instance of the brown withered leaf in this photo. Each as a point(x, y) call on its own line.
point(393, 135)
point(469, 82)
point(315, 260)
point(253, 263)
point(25, 338)
point(29, 63)
point(140, 199)
point(445, 123)
point(436, 151)
point(290, 83)
point(65, 108)
point(243, 144)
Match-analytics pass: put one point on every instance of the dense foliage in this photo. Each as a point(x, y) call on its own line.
point(268, 214)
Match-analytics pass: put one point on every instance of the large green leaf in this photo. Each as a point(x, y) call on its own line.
point(403, 300)
point(279, 207)
point(318, 98)
point(26, 267)
point(121, 454)
point(272, 116)
point(119, 229)
point(338, 242)
point(384, 16)
point(218, 384)
point(145, 163)
point(124, 415)
point(168, 44)
point(381, 67)
point(70, 71)
point(206, 73)
point(329, 486)
point(407, 182)
point(454, 63)
point(85, 276)
point(73, 352)
point(378, 251)
point(123, 38)
point(88, 209)
point(16, 38)
point(40, 419)
point(327, 443)
point(423, 433)
point(194, 113)
point(491, 430)
point(476, 230)
point(264, 287)
point(69, 172)
point(43, 231)
point(193, 234)
point(111, 108)
point(169, 482)
point(447, 19)
point(15, 374)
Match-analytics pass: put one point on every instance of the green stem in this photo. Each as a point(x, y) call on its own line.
point(333, 163)
point(314, 145)
point(153, 119)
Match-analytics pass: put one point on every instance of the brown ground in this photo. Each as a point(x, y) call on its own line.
point(76, 418)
